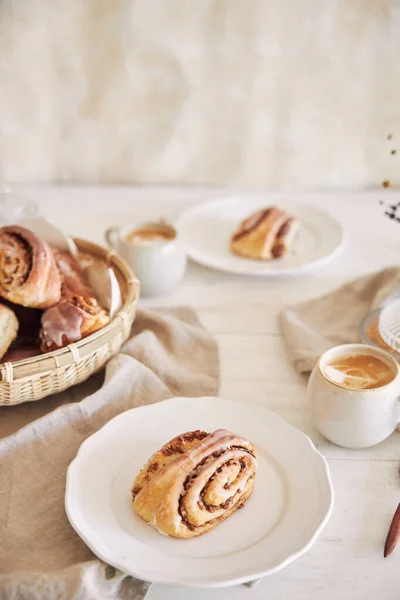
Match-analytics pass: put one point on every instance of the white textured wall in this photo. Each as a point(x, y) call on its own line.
point(275, 93)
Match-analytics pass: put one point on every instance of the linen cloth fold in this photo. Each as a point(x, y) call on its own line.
point(312, 327)
point(168, 354)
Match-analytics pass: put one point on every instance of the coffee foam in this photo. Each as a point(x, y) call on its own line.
point(140, 240)
point(359, 371)
point(348, 379)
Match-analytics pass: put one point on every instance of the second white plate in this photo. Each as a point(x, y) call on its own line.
point(206, 230)
point(291, 502)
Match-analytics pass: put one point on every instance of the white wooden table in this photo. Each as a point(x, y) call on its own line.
point(347, 560)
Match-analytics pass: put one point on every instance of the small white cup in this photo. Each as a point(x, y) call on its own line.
point(354, 418)
point(159, 266)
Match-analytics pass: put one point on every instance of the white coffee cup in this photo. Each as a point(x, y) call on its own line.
point(354, 418)
point(159, 266)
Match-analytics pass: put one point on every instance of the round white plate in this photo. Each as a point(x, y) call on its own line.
point(206, 231)
point(290, 504)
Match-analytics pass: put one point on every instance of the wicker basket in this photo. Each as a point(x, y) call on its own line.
point(34, 378)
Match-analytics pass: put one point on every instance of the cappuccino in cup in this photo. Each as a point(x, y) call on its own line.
point(359, 371)
point(354, 395)
point(155, 253)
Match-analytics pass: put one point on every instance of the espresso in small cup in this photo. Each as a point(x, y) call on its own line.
point(359, 371)
point(149, 236)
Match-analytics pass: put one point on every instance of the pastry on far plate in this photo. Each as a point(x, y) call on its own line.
point(265, 235)
point(196, 481)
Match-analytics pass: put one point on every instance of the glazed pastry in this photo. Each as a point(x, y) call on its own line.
point(258, 235)
point(77, 315)
point(28, 271)
point(8, 328)
point(196, 481)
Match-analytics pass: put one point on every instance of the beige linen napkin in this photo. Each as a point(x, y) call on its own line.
point(169, 353)
point(311, 328)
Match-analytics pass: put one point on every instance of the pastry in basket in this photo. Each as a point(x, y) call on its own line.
point(196, 481)
point(77, 315)
point(265, 235)
point(26, 343)
point(28, 271)
point(8, 328)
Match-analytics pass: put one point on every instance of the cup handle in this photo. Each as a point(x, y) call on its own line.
point(111, 236)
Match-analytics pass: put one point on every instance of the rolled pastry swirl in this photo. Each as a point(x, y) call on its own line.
point(77, 315)
point(28, 271)
point(196, 481)
point(265, 235)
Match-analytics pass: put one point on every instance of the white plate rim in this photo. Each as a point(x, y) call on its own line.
point(181, 582)
point(197, 257)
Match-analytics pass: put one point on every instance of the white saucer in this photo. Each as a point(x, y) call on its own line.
point(290, 505)
point(206, 230)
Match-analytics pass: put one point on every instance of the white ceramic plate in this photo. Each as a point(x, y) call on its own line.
point(291, 502)
point(206, 230)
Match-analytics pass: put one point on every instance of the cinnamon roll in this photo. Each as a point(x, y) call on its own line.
point(28, 271)
point(196, 481)
point(77, 315)
point(265, 235)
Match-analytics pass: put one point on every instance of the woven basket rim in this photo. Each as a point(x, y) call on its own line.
point(73, 353)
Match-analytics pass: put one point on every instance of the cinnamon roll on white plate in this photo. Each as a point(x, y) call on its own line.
point(196, 481)
point(265, 236)
point(195, 484)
